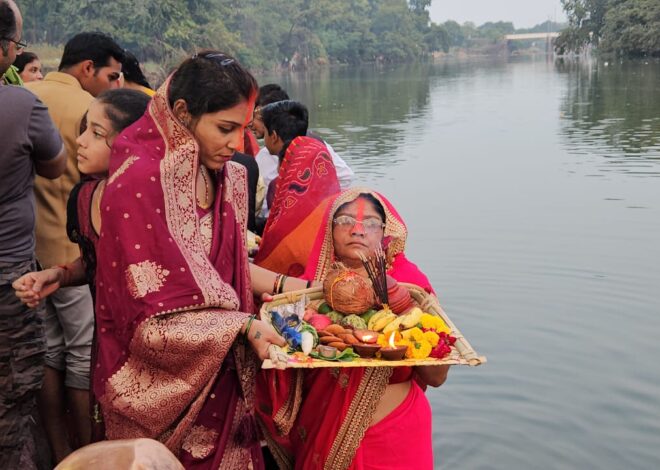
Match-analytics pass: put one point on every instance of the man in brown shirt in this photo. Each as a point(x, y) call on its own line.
point(91, 64)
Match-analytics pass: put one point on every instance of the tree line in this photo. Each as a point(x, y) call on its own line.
point(262, 34)
point(623, 27)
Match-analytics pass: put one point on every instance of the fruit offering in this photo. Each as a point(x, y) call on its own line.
point(348, 326)
point(347, 292)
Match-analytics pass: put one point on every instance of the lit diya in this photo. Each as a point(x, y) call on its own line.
point(393, 352)
point(367, 347)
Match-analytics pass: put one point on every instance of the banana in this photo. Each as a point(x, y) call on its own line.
point(384, 321)
point(393, 325)
point(375, 317)
point(411, 318)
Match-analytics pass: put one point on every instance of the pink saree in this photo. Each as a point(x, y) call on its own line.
point(320, 418)
point(173, 291)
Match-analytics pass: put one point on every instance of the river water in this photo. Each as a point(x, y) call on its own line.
point(531, 191)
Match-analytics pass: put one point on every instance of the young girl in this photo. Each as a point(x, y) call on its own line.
point(107, 116)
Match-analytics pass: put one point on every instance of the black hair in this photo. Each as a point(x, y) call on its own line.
point(24, 59)
point(97, 47)
point(369, 197)
point(123, 106)
point(271, 93)
point(7, 25)
point(288, 118)
point(130, 67)
point(209, 82)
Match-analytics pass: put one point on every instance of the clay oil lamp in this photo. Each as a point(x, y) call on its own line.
point(393, 352)
point(367, 347)
point(366, 336)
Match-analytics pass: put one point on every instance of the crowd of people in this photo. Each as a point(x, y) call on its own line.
point(128, 293)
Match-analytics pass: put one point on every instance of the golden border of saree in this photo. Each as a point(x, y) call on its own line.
point(177, 171)
point(358, 419)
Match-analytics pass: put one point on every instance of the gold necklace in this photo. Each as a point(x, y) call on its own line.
point(206, 204)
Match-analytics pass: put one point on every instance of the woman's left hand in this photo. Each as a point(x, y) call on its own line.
point(261, 336)
point(432, 375)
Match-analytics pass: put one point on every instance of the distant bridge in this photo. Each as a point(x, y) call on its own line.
point(528, 36)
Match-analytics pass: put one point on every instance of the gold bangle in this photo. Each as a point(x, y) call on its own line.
point(276, 283)
point(283, 279)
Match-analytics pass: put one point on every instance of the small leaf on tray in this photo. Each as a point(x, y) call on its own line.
point(347, 355)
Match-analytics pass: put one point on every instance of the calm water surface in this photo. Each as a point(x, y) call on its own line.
point(531, 191)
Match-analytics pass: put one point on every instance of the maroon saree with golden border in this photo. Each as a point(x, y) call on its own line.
point(173, 291)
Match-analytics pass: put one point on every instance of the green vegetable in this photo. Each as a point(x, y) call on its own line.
point(324, 308)
point(354, 321)
point(336, 317)
point(368, 314)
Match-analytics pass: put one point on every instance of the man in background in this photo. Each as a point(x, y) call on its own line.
point(30, 143)
point(90, 65)
point(268, 162)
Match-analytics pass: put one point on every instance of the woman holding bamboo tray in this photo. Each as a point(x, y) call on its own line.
point(358, 418)
point(178, 344)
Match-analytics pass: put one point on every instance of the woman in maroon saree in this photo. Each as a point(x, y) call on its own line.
point(174, 297)
point(357, 418)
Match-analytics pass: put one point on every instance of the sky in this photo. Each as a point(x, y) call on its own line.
point(523, 13)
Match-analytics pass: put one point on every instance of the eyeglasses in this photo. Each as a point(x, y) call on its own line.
point(370, 225)
point(20, 45)
point(217, 58)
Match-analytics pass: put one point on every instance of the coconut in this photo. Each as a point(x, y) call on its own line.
point(347, 292)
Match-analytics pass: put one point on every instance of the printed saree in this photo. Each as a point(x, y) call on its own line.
point(317, 419)
point(306, 180)
point(173, 291)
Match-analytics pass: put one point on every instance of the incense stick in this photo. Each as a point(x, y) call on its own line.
point(376, 270)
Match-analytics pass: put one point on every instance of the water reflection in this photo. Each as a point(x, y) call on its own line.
point(363, 112)
point(610, 115)
point(548, 273)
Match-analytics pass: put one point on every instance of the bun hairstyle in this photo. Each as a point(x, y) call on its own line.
point(123, 106)
point(211, 81)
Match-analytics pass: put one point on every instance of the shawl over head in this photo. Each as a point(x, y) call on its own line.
point(169, 304)
point(394, 242)
point(307, 179)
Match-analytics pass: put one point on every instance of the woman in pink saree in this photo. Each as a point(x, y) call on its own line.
point(177, 344)
point(357, 418)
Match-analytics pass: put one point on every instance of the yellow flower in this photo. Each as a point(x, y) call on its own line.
point(418, 350)
point(432, 337)
point(441, 326)
point(434, 322)
point(413, 333)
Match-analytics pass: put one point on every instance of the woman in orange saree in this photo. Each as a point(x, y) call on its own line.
point(174, 298)
point(357, 418)
point(306, 180)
